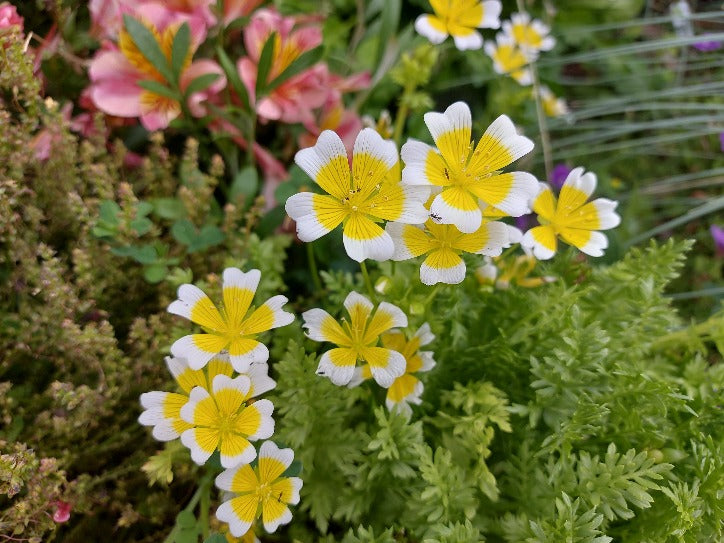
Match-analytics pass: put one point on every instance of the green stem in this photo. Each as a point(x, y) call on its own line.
point(542, 126)
point(251, 138)
point(431, 296)
point(204, 511)
point(202, 494)
point(402, 113)
point(314, 272)
point(368, 283)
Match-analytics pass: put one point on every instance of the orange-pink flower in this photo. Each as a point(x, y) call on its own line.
point(294, 100)
point(117, 68)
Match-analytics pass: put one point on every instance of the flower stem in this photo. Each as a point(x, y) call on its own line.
point(313, 271)
point(368, 283)
point(542, 126)
point(402, 113)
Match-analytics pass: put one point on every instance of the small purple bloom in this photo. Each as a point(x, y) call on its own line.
point(721, 140)
point(706, 46)
point(718, 234)
point(559, 174)
point(524, 222)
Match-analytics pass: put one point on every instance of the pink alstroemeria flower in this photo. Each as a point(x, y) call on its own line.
point(294, 100)
point(116, 70)
point(107, 15)
point(233, 9)
point(9, 17)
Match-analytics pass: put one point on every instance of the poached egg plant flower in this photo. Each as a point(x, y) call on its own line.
point(531, 35)
point(359, 199)
point(259, 491)
point(571, 218)
point(357, 339)
point(459, 19)
point(231, 330)
point(467, 176)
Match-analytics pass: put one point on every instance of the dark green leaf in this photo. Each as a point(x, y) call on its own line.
point(265, 63)
point(232, 76)
point(215, 538)
point(158, 88)
point(246, 184)
point(155, 272)
point(185, 519)
point(143, 209)
point(148, 46)
point(200, 83)
point(304, 61)
point(103, 232)
point(169, 208)
point(239, 22)
point(141, 225)
point(109, 211)
point(143, 254)
point(184, 231)
point(180, 50)
point(208, 237)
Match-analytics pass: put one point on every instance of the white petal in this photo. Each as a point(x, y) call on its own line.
point(370, 142)
point(497, 239)
point(424, 334)
point(503, 130)
point(465, 221)
point(313, 320)
point(234, 277)
point(398, 317)
point(258, 374)
point(225, 479)
point(396, 365)
point(491, 14)
point(586, 183)
point(328, 147)
point(524, 188)
point(469, 42)
point(424, 28)
point(281, 317)
point(237, 527)
point(271, 525)
point(165, 431)
point(198, 455)
point(355, 298)
point(428, 360)
point(539, 251)
point(413, 209)
point(258, 355)
point(414, 155)
point(188, 296)
point(606, 214)
point(186, 348)
point(456, 117)
point(450, 276)
point(596, 244)
point(269, 449)
point(300, 207)
point(244, 457)
point(266, 426)
point(339, 375)
point(241, 383)
point(378, 248)
point(395, 230)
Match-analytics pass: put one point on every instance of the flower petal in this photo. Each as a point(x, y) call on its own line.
point(198, 349)
point(508, 192)
point(197, 307)
point(238, 292)
point(268, 316)
point(338, 364)
point(455, 205)
point(256, 421)
point(542, 240)
point(442, 266)
point(273, 461)
point(258, 374)
point(202, 443)
point(327, 164)
point(451, 132)
point(587, 241)
point(386, 317)
point(372, 159)
point(430, 27)
point(315, 214)
point(243, 352)
point(321, 326)
point(364, 239)
point(386, 365)
point(424, 165)
point(239, 513)
point(410, 241)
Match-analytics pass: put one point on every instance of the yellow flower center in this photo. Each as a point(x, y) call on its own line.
point(526, 36)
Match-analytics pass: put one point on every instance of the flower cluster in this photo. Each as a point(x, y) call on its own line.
point(216, 410)
point(447, 200)
point(519, 44)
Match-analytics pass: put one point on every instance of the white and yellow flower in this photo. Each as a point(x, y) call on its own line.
point(162, 410)
point(571, 218)
point(503, 273)
point(406, 389)
point(509, 59)
point(552, 105)
point(358, 200)
point(443, 243)
point(260, 491)
point(224, 419)
point(357, 339)
point(468, 176)
point(231, 330)
point(459, 19)
point(529, 35)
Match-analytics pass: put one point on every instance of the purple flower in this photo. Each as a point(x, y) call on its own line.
point(717, 233)
point(721, 140)
point(706, 46)
point(559, 174)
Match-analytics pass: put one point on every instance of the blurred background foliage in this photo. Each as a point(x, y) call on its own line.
point(586, 409)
